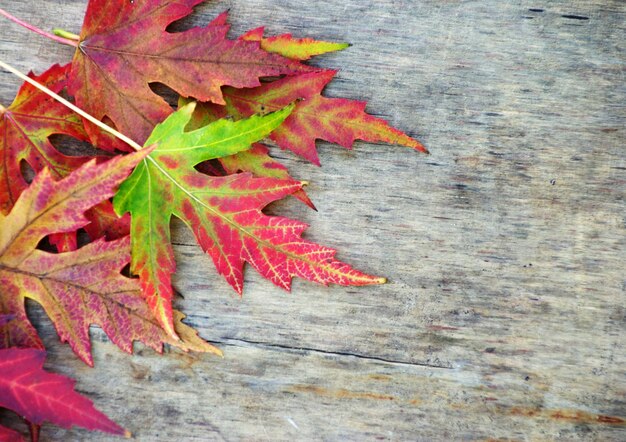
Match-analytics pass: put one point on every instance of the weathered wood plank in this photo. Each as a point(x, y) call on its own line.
point(504, 316)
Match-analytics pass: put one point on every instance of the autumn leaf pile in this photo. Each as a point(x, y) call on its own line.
point(207, 163)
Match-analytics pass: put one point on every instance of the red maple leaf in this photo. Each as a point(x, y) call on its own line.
point(39, 396)
point(124, 46)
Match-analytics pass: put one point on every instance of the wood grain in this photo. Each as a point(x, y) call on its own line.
point(504, 317)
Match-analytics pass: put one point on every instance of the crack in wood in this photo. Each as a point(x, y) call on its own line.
point(234, 342)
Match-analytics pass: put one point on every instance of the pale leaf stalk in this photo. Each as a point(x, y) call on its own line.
point(65, 34)
point(65, 41)
point(73, 107)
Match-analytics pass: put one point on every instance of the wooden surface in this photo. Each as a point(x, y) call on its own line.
point(504, 317)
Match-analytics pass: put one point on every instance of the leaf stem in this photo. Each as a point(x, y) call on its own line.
point(34, 431)
point(75, 108)
point(65, 34)
point(65, 41)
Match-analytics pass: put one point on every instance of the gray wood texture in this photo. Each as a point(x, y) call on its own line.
point(504, 315)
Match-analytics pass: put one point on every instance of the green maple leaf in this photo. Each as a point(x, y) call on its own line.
point(223, 212)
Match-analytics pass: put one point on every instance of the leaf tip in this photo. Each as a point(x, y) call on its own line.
point(424, 150)
point(419, 146)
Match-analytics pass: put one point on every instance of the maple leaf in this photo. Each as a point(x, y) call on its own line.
point(166, 184)
point(39, 396)
point(124, 47)
point(79, 288)
point(223, 212)
point(25, 130)
point(336, 120)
